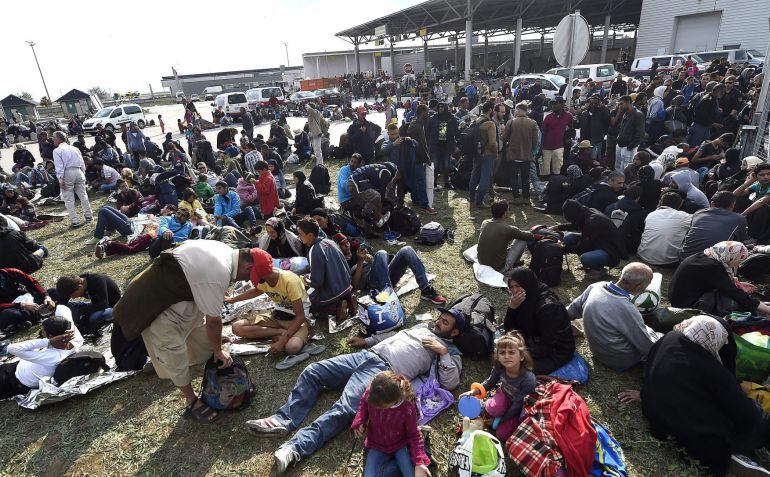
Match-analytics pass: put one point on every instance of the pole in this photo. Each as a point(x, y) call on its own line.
point(457, 53)
point(517, 47)
point(573, 25)
point(32, 45)
point(152, 95)
point(469, 41)
point(358, 58)
point(425, 59)
point(286, 46)
point(605, 38)
point(486, 52)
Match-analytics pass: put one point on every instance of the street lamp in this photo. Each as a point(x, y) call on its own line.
point(286, 46)
point(32, 45)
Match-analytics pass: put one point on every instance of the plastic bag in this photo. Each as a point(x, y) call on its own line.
point(298, 265)
point(432, 398)
point(575, 370)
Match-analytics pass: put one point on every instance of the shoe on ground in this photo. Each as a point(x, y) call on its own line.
point(93, 241)
point(76, 225)
point(266, 427)
point(285, 457)
point(430, 294)
point(99, 251)
point(429, 210)
point(742, 466)
point(596, 274)
point(89, 220)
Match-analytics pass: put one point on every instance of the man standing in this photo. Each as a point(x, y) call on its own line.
point(594, 124)
point(555, 125)
point(441, 132)
point(422, 160)
point(314, 121)
point(248, 124)
point(481, 175)
point(136, 145)
point(175, 305)
point(521, 133)
point(70, 170)
point(630, 133)
point(362, 134)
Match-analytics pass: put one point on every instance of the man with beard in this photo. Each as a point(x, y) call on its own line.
point(441, 132)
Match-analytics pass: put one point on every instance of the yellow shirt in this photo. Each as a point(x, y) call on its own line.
point(288, 289)
point(192, 208)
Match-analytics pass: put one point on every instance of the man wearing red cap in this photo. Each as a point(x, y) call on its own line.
point(286, 324)
point(362, 134)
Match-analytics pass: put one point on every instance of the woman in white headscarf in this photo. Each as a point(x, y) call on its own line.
point(706, 281)
point(656, 115)
point(690, 393)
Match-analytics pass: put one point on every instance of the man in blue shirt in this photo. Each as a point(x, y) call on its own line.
point(172, 229)
point(473, 94)
point(343, 195)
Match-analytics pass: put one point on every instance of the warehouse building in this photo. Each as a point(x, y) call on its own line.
point(697, 25)
point(240, 80)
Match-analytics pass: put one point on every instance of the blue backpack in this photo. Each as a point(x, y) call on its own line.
point(608, 458)
point(167, 193)
point(382, 317)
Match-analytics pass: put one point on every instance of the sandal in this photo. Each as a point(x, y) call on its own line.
point(313, 349)
point(266, 427)
point(202, 413)
point(292, 360)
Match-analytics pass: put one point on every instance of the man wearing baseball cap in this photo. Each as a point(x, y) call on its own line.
point(362, 134)
point(411, 352)
point(287, 323)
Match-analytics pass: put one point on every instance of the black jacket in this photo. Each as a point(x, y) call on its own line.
point(597, 232)
point(101, 290)
point(631, 129)
point(16, 251)
point(688, 394)
point(594, 124)
point(633, 225)
point(306, 198)
point(602, 196)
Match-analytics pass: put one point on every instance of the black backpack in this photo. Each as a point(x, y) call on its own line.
point(129, 355)
point(477, 340)
point(461, 176)
point(547, 256)
point(79, 364)
point(346, 223)
point(471, 142)
point(756, 267)
point(584, 196)
point(229, 388)
point(319, 177)
point(405, 221)
point(432, 233)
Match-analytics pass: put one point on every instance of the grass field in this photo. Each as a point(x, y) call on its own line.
point(134, 427)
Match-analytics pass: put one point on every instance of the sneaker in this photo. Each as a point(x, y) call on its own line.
point(429, 210)
point(93, 241)
point(76, 225)
point(285, 457)
point(99, 250)
point(437, 187)
point(742, 466)
point(430, 294)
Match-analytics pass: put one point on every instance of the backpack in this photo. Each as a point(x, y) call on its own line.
point(461, 176)
point(346, 224)
point(432, 233)
point(471, 142)
point(229, 388)
point(319, 177)
point(129, 355)
point(755, 267)
point(584, 196)
point(79, 364)
point(404, 221)
point(618, 217)
point(167, 193)
point(478, 338)
point(546, 260)
point(382, 317)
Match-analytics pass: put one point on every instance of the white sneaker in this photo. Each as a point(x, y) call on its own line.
point(742, 466)
point(284, 458)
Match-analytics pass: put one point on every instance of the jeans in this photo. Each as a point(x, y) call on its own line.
point(108, 187)
point(247, 213)
point(384, 274)
point(352, 372)
point(702, 173)
point(441, 159)
point(419, 194)
point(75, 184)
point(376, 463)
point(481, 177)
point(697, 134)
point(594, 259)
point(623, 157)
point(515, 251)
point(596, 151)
point(93, 320)
point(520, 178)
point(112, 218)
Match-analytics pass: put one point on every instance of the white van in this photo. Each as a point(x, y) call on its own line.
point(642, 67)
point(231, 103)
point(209, 92)
point(261, 96)
point(603, 74)
point(736, 56)
point(112, 117)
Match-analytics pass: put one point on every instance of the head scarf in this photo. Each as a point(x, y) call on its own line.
point(263, 265)
point(705, 331)
point(19, 146)
point(751, 161)
point(646, 174)
point(280, 229)
point(733, 156)
point(659, 91)
point(574, 172)
point(526, 319)
point(729, 253)
point(300, 177)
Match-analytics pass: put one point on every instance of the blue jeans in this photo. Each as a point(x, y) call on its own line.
point(384, 274)
point(352, 373)
point(14, 316)
point(376, 463)
point(481, 177)
point(594, 259)
point(95, 319)
point(111, 218)
point(596, 151)
point(419, 194)
point(702, 173)
point(697, 134)
point(108, 187)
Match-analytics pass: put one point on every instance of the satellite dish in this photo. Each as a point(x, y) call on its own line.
point(564, 37)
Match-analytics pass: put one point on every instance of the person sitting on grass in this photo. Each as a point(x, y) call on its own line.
point(38, 358)
point(203, 188)
point(411, 352)
point(101, 291)
point(758, 213)
point(140, 243)
point(512, 380)
point(616, 333)
point(15, 314)
point(279, 242)
point(501, 244)
point(108, 176)
point(190, 202)
point(287, 324)
point(19, 251)
point(329, 274)
point(227, 208)
point(387, 416)
point(329, 228)
point(127, 200)
point(172, 229)
point(267, 190)
point(306, 200)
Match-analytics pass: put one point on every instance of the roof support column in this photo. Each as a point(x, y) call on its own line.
point(317, 67)
point(542, 43)
point(358, 58)
point(392, 61)
point(486, 52)
point(517, 48)
point(425, 58)
point(457, 53)
point(605, 38)
point(469, 41)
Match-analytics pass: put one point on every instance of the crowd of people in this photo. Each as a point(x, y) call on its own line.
point(639, 169)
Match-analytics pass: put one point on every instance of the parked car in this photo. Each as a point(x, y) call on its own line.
point(603, 74)
point(195, 97)
point(231, 103)
point(329, 96)
point(261, 96)
point(739, 56)
point(180, 97)
point(641, 67)
point(112, 117)
point(550, 83)
point(298, 100)
point(209, 97)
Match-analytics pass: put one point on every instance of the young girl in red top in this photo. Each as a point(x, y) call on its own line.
point(267, 190)
point(387, 416)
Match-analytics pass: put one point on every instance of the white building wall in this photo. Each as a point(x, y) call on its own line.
point(744, 22)
point(334, 65)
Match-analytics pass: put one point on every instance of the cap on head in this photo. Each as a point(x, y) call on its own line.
point(458, 315)
point(263, 265)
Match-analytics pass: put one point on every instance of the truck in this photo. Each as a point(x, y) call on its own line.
point(209, 92)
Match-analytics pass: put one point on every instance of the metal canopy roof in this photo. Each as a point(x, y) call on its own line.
point(493, 17)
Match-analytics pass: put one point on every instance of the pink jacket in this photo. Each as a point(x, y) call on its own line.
point(246, 192)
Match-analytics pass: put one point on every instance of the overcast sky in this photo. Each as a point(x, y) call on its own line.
point(124, 46)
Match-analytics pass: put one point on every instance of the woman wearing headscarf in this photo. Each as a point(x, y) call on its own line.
point(656, 115)
point(651, 188)
point(690, 393)
point(598, 242)
point(306, 197)
point(642, 158)
point(279, 242)
point(536, 312)
point(706, 281)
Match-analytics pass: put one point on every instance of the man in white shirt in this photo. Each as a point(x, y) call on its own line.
point(70, 171)
point(664, 232)
point(39, 358)
point(109, 176)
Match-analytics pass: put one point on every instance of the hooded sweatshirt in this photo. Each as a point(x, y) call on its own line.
point(683, 182)
point(268, 193)
point(656, 107)
point(597, 232)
